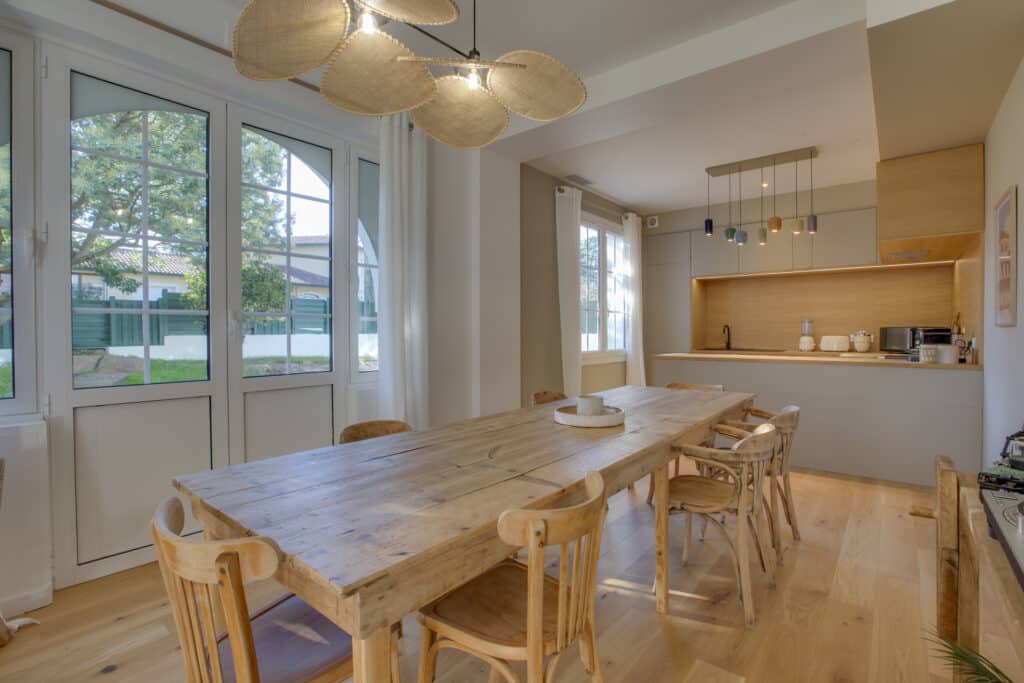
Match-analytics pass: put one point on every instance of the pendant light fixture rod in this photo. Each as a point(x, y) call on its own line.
point(775, 190)
point(730, 201)
point(448, 45)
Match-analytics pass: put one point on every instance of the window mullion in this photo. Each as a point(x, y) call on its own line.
point(147, 374)
point(602, 292)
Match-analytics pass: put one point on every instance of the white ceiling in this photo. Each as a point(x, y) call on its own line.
point(813, 92)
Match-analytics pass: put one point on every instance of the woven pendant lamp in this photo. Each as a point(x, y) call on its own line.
point(461, 115)
point(281, 39)
point(424, 12)
point(544, 91)
point(365, 76)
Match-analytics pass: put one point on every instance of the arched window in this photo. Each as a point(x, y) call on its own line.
point(286, 255)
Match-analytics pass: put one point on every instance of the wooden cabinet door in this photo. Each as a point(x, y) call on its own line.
point(775, 256)
point(667, 292)
point(845, 238)
point(713, 255)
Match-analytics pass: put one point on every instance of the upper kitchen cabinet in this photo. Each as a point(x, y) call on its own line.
point(938, 193)
point(715, 256)
point(667, 292)
point(775, 256)
point(845, 238)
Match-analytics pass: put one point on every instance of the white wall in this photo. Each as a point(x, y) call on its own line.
point(1004, 346)
point(26, 561)
point(473, 277)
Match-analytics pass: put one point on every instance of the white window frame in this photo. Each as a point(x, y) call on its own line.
point(23, 222)
point(603, 355)
point(356, 376)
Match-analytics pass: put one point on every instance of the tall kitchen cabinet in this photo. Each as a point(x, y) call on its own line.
point(713, 255)
point(666, 266)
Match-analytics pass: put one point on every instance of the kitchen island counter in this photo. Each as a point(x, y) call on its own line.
point(863, 417)
point(870, 359)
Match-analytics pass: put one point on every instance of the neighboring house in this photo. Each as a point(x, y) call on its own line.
point(308, 277)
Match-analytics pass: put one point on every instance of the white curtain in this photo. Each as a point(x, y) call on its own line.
point(568, 214)
point(635, 374)
point(402, 299)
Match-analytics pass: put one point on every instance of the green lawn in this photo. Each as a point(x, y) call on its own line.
point(170, 371)
point(6, 381)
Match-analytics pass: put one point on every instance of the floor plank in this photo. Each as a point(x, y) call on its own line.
point(854, 602)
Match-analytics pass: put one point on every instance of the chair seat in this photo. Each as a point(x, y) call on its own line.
point(489, 612)
point(293, 643)
point(694, 492)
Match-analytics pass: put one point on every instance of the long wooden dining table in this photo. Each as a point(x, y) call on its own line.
point(373, 530)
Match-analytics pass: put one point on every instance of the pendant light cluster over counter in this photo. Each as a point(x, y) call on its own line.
point(735, 232)
point(370, 72)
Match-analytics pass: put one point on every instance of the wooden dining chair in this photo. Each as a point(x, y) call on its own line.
point(547, 396)
point(516, 612)
point(737, 489)
point(786, 422)
point(287, 641)
point(372, 429)
point(711, 440)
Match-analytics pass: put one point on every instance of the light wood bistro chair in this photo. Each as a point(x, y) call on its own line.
point(786, 422)
point(547, 396)
point(516, 612)
point(287, 641)
point(736, 489)
point(711, 440)
point(372, 429)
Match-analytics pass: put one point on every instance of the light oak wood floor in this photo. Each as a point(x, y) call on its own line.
point(854, 602)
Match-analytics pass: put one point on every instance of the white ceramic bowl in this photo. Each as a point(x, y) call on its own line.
point(861, 343)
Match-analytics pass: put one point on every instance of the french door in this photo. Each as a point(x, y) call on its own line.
point(287, 266)
point(196, 312)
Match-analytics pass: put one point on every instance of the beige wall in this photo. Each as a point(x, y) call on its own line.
point(604, 376)
point(540, 330)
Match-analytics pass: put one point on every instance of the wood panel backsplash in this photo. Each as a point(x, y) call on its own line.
point(765, 312)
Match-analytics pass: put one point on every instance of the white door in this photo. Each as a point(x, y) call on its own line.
point(288, 266)
point(134, 314)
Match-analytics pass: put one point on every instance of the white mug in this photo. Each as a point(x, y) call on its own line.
point(590, 405)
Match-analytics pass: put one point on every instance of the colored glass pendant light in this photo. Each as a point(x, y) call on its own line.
point(709, 225)
point(741, 237)
point(812, 218)
point(798, 223)
point(774, 223)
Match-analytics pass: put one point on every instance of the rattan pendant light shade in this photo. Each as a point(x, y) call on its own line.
point(366, 77)
point(370, 72)
point(425, 12)
point(280, 39)
point(462, 116)
point(544, 91)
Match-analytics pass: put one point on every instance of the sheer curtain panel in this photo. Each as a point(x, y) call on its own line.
point(402, 304)
point(568, 215)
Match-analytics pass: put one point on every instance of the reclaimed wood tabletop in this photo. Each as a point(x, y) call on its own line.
point(373, 530)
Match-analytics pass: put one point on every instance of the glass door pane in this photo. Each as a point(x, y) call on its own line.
point(286, 274)
point(139, 237)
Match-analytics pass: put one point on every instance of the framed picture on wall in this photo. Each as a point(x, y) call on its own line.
point(1006, 259)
